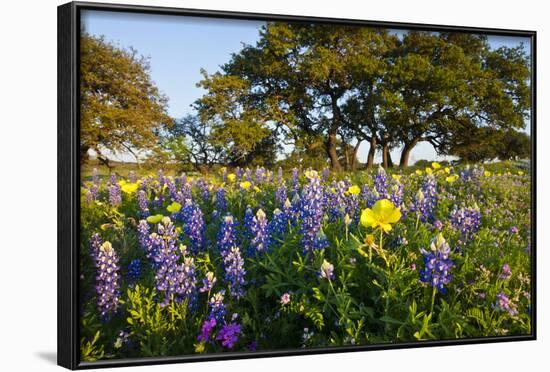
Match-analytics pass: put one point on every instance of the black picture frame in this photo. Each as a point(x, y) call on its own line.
point(69, 183)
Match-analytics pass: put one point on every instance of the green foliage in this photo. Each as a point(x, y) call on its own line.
point(121, 108)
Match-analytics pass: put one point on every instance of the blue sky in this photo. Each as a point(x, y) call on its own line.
point(178, 47)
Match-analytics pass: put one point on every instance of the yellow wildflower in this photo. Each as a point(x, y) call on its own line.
point(429, 171)
point(436, 165)
point(129, 188)
point(354, 190)
point(245, 185)
point(382, 215)
point(231, 177)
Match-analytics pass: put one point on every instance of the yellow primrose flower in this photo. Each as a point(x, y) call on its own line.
point(245, 185)
point(452, 178)
point(396, 177)
point(175, 207)
point(129, 188)
point(447, 170)
point(521, 173)
point(370, 241)
point(429, 171)
point(419, 172)
point(231, 177)
point(382, 215)
point(487, 174)
point(354, 190)
point(155, 218)
point(257, 189)
point(436, 165)
point(122, 183)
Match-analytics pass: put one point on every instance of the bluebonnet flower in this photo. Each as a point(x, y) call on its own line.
point(216, 306)
point(438, 224)
point(206, 329)
point(327, 270)
point(203, 190)
point(107, 280)
point(115, 196)
point(260, 172)
point(227, 237)
point(161, 178)
point(143, 203)
point(311, 215)
point(278, 224)
point(171, 186)
point(396, 196)
point(234, 272)
point(467, 221)
point(176, 281)
point(184, 194)
point(143, 233)
point(95, 244)
point(335, 201)
point(290, 210)
point(221, 202)
point(229, 335)
point(504, 303)
point(208, 282)
point(239, 173)
point(281, 196)
point(260, 233)
point(194, 225)
point(437, 264)
point(248, 221)
point(134, 270)
point(381, 183)
point(426, 199)
point(248, 174)
point(369, 195)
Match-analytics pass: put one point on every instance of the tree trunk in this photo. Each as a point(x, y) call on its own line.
point(406, 152)
point(372, 151)
point(354, 156)
point(331, 151)
point(385, 155)
point(390, 160)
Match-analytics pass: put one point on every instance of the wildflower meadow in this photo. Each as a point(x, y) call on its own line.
point(258, 259)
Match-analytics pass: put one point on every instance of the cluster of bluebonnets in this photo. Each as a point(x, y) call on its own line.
point(250, 259)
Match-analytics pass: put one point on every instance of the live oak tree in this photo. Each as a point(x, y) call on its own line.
point(302, 76)
point(449, 83)
point(122, 110)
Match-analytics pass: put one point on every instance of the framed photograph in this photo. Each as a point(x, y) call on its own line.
point(237, 185)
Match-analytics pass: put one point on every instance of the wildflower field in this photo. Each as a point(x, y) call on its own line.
point(253, 259)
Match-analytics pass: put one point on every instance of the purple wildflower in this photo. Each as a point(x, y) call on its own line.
point(107, 280)
point(311, 215)
point(208, 282)
point(467, 221)
point(506, 272)
point(235, 272)
point(229, 335)
point(206, 329)
point(227, 238)
point(216, 306)
point(221, 202)
point(438, 265)
point(504, 303)
point(327, 270)
point(143, 203)
point(260, 233)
